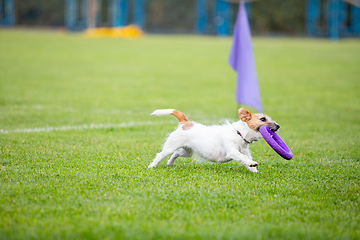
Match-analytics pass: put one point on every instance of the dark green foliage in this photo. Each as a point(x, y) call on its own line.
point(40, 12)
point(278, 16)
point(179, 16)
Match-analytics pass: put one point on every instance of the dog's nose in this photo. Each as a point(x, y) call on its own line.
point(277, 127)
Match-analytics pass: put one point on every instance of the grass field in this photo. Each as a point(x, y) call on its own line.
point(76, 139)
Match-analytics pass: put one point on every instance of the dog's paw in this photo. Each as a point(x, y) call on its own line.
point(152, 165)
point(252, 169)
point(253, 164)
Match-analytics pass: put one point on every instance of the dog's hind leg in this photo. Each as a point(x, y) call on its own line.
point(170, 146)
point(181, 152)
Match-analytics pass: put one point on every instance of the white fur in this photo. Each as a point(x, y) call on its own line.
point(215, 143)
point(161, 112)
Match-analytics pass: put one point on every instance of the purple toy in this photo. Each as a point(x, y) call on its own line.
point(275, 142)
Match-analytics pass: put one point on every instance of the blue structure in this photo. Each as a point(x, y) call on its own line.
point(117, 13)
point(139, 13)
point(119, 10)
point(7, 15)
point(201, 16)
point(313, 14)
point(73, 20)
point(355, 26)
point(332, 18)
point(221, 17)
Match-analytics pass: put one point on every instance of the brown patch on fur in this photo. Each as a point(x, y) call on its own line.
point(253, 120)
point(244, 115)
point(187, 125)
point(254, 123)
point(180, 116)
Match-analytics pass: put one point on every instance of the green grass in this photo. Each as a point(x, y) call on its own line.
point(93, 183)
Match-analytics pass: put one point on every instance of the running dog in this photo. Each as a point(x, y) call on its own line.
point(217, 143)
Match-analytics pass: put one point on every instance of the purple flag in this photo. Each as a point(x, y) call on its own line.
point(241, 59)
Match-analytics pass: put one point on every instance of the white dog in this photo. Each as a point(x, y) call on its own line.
point(216, 143)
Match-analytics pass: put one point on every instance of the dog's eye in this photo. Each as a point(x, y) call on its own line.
point(263, 119)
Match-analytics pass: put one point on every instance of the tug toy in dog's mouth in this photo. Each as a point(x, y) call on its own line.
point(276, 142)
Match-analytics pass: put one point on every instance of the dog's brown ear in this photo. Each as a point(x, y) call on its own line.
point(245, 115)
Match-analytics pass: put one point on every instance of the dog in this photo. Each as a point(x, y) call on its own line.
point(217, 143)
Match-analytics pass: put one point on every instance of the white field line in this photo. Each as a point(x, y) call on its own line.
point(82, 127)
point(91, 126)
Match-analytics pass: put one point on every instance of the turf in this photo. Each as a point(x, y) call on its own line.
point(76, 139)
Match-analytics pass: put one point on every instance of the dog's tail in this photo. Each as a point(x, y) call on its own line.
point(179, 115)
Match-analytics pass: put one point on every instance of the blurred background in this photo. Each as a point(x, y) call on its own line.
point(317, 18)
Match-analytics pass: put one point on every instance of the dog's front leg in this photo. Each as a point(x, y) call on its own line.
point(247, 152)
point(243, 159)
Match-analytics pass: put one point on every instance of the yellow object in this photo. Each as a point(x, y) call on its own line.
point(131, 31)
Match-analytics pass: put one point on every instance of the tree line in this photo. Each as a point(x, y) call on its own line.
point(266, 15)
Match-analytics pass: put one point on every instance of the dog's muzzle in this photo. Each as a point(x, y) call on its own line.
point(275, 128)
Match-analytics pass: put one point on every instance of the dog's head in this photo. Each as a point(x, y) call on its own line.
point(256, 120)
